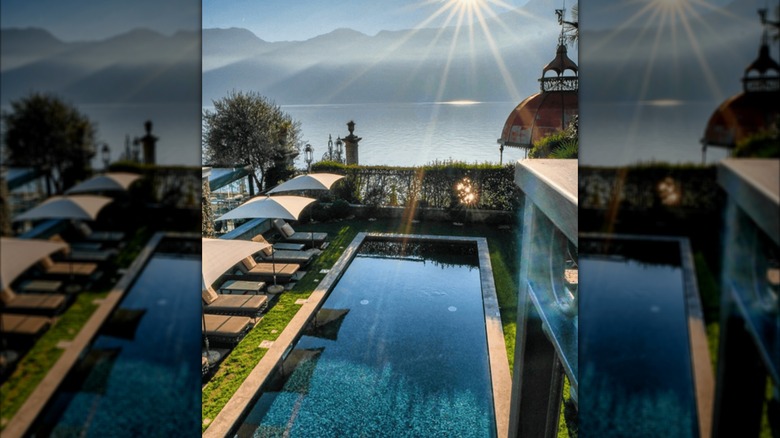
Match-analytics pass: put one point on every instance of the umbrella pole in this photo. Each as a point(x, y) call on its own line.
point(273, 262)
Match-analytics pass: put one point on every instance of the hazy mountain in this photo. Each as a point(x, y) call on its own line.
point(137, 66)
point(646, 61)
point(347, 66)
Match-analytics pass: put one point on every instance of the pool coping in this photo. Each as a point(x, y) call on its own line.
point(233, 412)
point(39, 398)
point(703, 375)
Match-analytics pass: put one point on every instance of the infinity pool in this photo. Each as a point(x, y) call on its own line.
point(138, 377)
point(635, 357)
point(398, 349)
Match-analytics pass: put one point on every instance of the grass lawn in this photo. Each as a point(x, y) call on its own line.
point(32, 368)
point(504, 247)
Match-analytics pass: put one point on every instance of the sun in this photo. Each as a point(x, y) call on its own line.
point(466, 3)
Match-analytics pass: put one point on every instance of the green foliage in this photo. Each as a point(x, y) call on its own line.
point(44, 132)
point(44, 354)
point(561, 144)
point(433, 185)
point(764, 144)
point(248, 128)
point(544, 147)
point(568, 148)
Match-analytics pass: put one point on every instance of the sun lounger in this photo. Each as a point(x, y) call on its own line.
point(274, 254)
point(283, 256)
point(224, 329)
point(90, 256)
point(24, 325)
point(32, 303)
point(290, 235)
point(241, 305)
point(68, 268)
point(49, 286)
point(98, 236)
point(282, 271)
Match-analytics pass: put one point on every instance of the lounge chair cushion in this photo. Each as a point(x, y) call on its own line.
point(287, 230)
point(223, 325)
point(245, 304)
point(83, 228)
point(47, 263)
point(7, 295)
point(260, 239)
point(48, 302)
point(209, 295)
point(24, 324)
point(57, 238)
point(249, 263)
point(70, 268)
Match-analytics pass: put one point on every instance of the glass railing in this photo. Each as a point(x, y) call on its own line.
point(749, 345)
point(547, 317)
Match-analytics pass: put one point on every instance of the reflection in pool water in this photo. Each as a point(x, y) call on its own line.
point(388, 357)
point(138, 377)
point(636, 377)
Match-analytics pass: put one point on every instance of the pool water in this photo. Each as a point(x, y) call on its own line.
point(138, 377)
point(400, 350)
point(635, 360)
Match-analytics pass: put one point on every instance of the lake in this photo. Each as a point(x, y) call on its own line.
point(409, 134)
point(620, 133)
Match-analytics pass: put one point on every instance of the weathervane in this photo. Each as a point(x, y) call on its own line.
point(569, 29)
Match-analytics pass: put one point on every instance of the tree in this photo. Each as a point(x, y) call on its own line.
point(249, 129)
point(44, 132)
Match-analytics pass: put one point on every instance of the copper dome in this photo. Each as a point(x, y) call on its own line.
point(548, 111)
point(538, 116)
point(753, 110)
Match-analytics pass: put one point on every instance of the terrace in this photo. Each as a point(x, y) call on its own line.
point(49, 364)
point(237, 382)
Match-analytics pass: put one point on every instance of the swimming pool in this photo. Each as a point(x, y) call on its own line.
point(138, 376)
point(398, 348)
point(637, 298)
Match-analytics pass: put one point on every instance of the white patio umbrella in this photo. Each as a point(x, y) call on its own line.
point(108, 182)
point(312, 181)
point(219, 255)
point(81, 207)
point(272, 207)
point(18, 255)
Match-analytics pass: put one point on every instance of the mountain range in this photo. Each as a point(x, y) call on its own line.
point(697, 59)
point(496, 62)
point(141, 66)
point(500, 61)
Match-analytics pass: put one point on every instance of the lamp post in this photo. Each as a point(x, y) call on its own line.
point(136, 150)
point(308, 153)
point(105, 153)
point(339, 149)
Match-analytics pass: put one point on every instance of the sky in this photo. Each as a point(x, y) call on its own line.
point(284, 20)
point(80, 20)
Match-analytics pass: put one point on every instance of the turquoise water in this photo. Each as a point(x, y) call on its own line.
point(635, 360)
point(404, 354)
point(138, 377)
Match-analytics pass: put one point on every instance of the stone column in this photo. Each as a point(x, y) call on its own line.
point(351, 144)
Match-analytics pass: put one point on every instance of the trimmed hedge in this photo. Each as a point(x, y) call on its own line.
point(434, 185)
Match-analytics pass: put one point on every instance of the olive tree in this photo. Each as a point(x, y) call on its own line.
point(44, 132)
point(246, 128)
